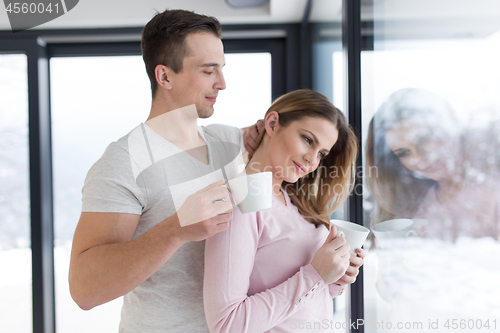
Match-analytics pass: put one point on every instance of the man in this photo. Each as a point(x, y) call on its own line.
point(157, 193)
point(129, 229)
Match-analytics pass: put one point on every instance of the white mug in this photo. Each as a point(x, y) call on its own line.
point(354, 234)
point(252, 193)
point(391, 231)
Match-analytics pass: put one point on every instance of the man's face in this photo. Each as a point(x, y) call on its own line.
point(201, 77)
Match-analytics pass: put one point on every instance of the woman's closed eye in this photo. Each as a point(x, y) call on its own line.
point(401, 153)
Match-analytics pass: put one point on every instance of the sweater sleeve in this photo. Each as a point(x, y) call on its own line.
point(336, 289)
point(229, 260)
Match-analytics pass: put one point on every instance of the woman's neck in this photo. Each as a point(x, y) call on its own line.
point(260, 162)
point(447, 189)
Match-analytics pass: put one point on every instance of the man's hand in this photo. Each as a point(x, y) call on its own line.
point(332, 259)
point(355, 262)
point(205, 213)
point(251, 135)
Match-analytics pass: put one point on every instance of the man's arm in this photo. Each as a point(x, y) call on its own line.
point(106, 263)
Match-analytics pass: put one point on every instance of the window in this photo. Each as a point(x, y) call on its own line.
point(248, 93)
point(431, 95)
point(104, 100)
point(15, 251)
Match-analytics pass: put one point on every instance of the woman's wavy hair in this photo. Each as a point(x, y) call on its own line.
point(396, 190)
point(318, 194)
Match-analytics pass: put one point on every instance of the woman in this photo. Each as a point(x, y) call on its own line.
point(273, 271)
point(420, 167)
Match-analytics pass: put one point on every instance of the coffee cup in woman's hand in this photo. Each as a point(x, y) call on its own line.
point(332, 258)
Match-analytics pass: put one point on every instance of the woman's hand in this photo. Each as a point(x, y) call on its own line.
point(355, 262)
point(331, 260)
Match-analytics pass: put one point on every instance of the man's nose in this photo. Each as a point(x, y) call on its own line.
point(221, 82)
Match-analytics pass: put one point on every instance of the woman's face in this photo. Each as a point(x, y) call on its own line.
point(298, 148)
point(423, 148)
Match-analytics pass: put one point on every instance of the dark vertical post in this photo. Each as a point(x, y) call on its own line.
point(42, 232)
point(292, 58)
point(351, 38)
point(306, 48)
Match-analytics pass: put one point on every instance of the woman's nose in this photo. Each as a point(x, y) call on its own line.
point(310, 159)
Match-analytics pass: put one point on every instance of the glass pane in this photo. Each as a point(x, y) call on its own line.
point(105, 99)
point(15, 243)
point(248, 90)
point(431, 125)
point(328, 79)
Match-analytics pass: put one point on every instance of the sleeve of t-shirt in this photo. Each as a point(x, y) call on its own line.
point(229, 260)
point(110, 186)
point(228, 134)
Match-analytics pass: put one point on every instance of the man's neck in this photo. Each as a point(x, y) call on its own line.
point(178, 126)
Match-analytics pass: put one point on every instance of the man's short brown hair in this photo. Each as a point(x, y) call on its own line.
point(163, 39)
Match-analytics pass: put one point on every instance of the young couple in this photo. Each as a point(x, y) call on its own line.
point(156, 194)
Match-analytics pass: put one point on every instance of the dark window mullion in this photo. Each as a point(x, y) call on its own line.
point(42, 231)
point(351, 37)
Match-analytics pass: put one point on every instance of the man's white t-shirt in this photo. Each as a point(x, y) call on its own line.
point(144, 174)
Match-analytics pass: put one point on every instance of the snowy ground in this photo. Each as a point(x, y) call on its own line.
point(430, 281)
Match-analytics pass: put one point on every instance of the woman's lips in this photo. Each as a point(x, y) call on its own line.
point(431, 168)
point(300, 168)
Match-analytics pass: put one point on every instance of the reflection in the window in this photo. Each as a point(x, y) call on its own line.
point(431, 129)
point(15, 252)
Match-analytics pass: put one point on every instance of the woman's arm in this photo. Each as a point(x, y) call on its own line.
point(229, 261)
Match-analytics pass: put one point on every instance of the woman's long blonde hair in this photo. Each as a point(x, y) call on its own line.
point(318, 194)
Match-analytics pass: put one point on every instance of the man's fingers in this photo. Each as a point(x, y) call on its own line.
point(252, 141)
point(222, 207)
point(217, 194)
point(221, 227)
point(221, 218)
point(260, 125)
point(213, 185)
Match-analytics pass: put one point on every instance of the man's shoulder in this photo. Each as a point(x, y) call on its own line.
point(223, 132)
point(119, 151)
point(122, 145)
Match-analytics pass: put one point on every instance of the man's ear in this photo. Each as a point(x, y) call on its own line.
point(163, 76)
point(271, 123)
